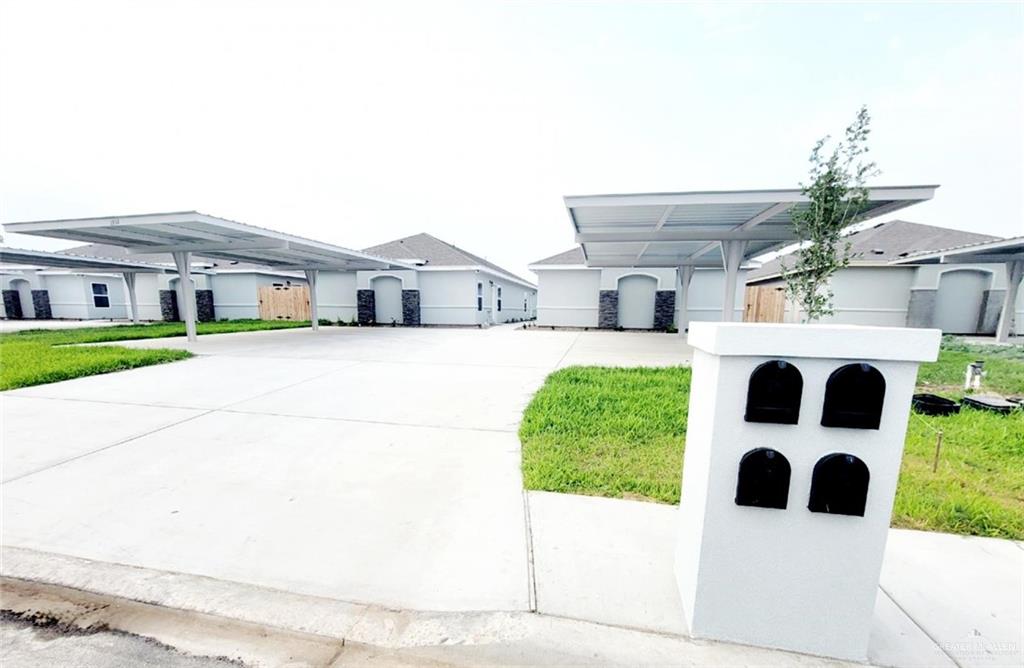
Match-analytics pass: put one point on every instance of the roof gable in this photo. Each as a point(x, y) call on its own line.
point(887, 241)
point(571, 256)
point(433, 252)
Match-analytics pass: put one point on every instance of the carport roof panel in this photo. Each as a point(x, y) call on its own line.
point(1001, 250)
point(34, 258)
point(209, 236)
point(669, 229)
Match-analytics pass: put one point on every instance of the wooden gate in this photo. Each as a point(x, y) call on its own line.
point(284, 302)
point(764, 303)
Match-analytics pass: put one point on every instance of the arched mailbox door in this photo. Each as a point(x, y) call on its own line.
point(763, 479)
point(773, 393)
point(854, 395)
point(839, 485)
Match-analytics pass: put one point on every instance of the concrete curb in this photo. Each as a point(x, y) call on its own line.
point(253, 624)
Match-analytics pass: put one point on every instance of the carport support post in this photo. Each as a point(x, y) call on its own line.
point(133, 301)
point(685, 275)
point(183, 260)
point(1014, 275)
point(314, 317)
point(732, 258)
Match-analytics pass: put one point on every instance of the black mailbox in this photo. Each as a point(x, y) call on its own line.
point(839, 485)
point(763, 479)
point(854, 395)
point(773, 394)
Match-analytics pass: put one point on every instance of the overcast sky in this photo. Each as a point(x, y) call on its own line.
point(359, 123)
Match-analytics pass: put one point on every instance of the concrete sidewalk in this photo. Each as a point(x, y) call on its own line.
point(379, 467)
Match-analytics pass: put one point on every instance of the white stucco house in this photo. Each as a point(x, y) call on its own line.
point(573, 294)
point(958, 299)
point(224, 290)
point(444, 285)
point(449, 286)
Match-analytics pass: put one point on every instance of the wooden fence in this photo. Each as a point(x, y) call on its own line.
point(764, 303)
point(284, 302)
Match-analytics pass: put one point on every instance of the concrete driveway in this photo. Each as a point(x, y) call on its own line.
point(382, 467)
point(371, 465)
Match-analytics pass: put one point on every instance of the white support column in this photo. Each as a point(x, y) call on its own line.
point(732, 258)
point(133, 300)
point(685, 276)
point(1014, 275)
point(187, 307)
point(314, 314)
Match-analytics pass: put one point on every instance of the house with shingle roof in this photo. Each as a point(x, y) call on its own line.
point(958, 299)
point(575, 295)
point(450, 286)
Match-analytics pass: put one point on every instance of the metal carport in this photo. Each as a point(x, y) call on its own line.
point(703, 229)
point(1007, 251)
point(183, 233)
point(33, 258)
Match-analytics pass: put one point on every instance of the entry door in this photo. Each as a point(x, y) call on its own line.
point(387, 295)
point(636, 302)
point(958, 301)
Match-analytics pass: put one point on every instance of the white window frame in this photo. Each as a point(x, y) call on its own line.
point(479, 296)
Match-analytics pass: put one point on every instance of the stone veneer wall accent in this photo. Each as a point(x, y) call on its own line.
point(921, 308)
point(12, 304)
point(366, 306)
point(169, 305)
point(204, 305)
point(991, 306)
point(41, 304)
point(608, 309)
point(664, 308)
point(411, 307)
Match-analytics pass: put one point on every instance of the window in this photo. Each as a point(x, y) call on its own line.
point(524, 305)
point(499, 298)
point(773, 394)
point(479, 296)
point(100, 296)
point(854, 395)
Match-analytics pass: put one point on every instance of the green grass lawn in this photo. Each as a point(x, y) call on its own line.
point(34, 357)
point(621, 433)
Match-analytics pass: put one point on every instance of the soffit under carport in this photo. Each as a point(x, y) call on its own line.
point(208, 236)
point(687, 228)
point(33, 258)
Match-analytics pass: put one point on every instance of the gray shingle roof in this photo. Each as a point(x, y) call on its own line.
point(571, 256)
point(434, 253)
point(879, 244)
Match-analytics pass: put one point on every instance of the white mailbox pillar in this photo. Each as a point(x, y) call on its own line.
point(793, 451)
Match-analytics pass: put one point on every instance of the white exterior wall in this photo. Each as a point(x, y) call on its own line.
point(512, 299)
point(71, 296)
point(880, 296)
point(236, 296)
point(409, 278)
point(707, 289)
point(449, 297)
point(569, 297)
point(67, 296)
point(928, 276)
point(336, 295)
